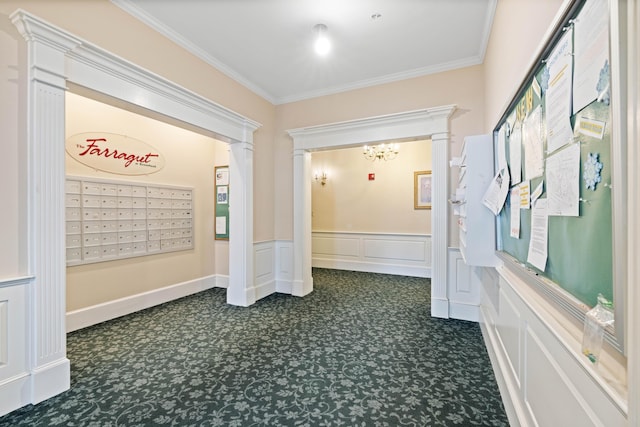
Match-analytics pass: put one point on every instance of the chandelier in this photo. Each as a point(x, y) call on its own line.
point(380, 152)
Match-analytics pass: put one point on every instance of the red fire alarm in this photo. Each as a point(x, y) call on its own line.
point(372, 177)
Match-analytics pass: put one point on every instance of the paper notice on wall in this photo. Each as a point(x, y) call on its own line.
point(222, 196)
point(591, 51)
point(563, 182)
point(221, 225)
point(514, 199)
point(533, 144)
point(537, 192)
point(496, 194)
point(558, 96)
point(590, 127)
point(222, 176)
point(502, 147)
point(515, 154)
point(538, 244)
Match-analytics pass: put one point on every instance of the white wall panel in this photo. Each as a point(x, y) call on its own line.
point(403, 254)
point(264, 264)
point(400, 249)
point(549, 393)
point(463, 298)
point(13, 343)
point(336, 246)
point(508, 327)
point(284, 266)
point(543, 376)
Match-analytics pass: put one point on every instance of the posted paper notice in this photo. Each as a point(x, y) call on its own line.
point(538, 245)
point(514, 199)
point(558, 98)
point(563, 182)
point(496, 194)
point(221, 225)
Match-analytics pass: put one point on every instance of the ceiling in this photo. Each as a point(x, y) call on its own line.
point(267, 45)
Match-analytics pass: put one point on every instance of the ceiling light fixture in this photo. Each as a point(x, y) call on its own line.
point(322, 44)
point(380, 152)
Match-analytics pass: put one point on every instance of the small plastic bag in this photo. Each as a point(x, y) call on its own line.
point(595, 322)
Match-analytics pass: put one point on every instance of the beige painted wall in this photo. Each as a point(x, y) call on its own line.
point(190, 160)
point(462, 87)
point(519, 29)
point(350, 202)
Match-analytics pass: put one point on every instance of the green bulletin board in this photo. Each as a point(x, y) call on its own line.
point(580, 251)
point(221, 226)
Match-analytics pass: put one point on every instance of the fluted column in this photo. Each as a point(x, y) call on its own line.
point(46, 83)
point(241, 290)
point(440, 224)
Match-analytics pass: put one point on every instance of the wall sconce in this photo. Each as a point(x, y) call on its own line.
point(321, 178)
point(380, 152)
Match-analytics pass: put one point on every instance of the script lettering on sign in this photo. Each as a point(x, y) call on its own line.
point(114, 153)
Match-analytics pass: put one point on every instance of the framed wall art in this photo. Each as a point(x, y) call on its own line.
point(422, 190)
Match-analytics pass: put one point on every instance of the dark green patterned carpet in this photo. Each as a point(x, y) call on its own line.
point(361, 350)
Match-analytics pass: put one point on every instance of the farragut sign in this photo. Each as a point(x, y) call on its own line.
point(113, 153)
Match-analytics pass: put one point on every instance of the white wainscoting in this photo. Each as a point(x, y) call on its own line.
point(401, 254)
point(273, 265)
point(463, 289)
point(14, 370)
point(543, 377)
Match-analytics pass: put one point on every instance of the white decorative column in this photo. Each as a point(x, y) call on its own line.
point(302, 279)
point(440, 224)
point(241, 290)
point(46, 83)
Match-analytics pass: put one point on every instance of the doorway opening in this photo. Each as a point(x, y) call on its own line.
point(431, 123)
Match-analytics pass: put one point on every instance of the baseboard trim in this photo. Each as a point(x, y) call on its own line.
point(284, 287)
point(99, 313)
point(50, 380)
point(439, 308)
point(265, 289)
point(370, 267)
point(463, 311)
point(300, 288)
point(15, 393)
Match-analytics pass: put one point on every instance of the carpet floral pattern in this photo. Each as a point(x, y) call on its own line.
point(361, 350)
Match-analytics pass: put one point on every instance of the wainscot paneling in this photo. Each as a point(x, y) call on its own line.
point(463, 298)
point(401, 254)
point(14, 371)
point(543, 377)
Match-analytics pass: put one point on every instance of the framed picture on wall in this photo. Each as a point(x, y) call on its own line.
point(422, 190)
